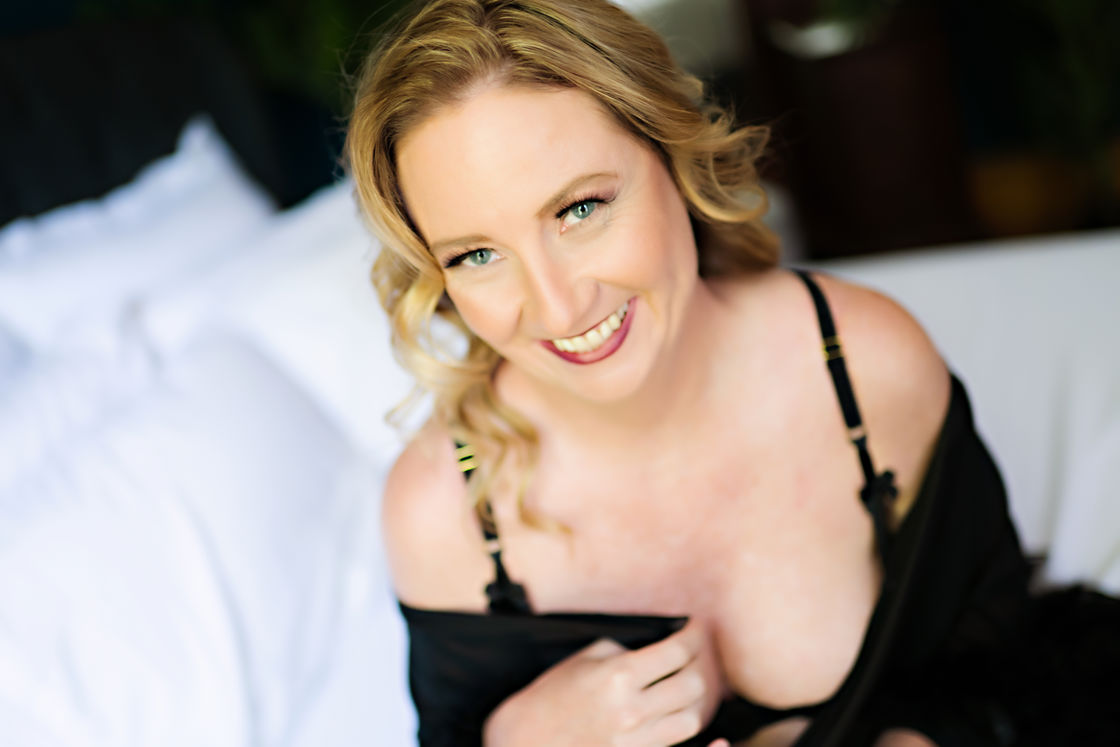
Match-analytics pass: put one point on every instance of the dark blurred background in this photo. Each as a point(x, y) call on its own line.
point(90, 90)
point(897, 123)
point(912, 122)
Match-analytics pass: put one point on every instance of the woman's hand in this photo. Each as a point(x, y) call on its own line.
point(606, 694)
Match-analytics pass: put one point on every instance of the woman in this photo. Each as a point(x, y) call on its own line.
point(636, 516)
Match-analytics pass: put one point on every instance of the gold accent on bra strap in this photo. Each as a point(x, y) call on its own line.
point(832, 348)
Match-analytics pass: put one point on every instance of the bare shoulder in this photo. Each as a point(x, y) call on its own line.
point(431, 536)
point(893, 364)
point(900, 380)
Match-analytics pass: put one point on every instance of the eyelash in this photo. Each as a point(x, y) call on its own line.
point(457, 259)
point(596, 198)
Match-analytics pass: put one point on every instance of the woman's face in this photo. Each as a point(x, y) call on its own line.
point(564, 241)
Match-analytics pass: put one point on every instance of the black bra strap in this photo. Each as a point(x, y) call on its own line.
point(878, 489)
point(506, 597)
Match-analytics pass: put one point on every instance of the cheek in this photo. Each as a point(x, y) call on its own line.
point(660, 249)
point(494, 323)
point(678, 243)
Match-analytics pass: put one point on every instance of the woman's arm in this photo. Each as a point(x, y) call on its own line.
point(432, 538)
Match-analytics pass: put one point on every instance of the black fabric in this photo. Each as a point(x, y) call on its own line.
point(1063, 679)
point(462, 665)
point(953, 590)
point(506, 596)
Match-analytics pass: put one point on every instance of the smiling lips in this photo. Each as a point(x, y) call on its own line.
point(598, 342)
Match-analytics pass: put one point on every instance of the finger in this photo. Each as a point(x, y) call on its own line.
point(678, 691)
point(721, 742)
point(671, 728)
point(658, 660)
point(604, 648)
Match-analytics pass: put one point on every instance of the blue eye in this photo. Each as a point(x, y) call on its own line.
point(471, 258)
point(578, 211)
point(583, 210)
point(478, 257)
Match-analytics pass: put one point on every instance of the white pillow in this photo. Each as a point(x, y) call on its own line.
point(66, 274)
point(200, 567)
point(60, 396)
point(300, 292)
point(14, 357)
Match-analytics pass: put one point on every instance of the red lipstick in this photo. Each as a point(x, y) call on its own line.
point(603, 351)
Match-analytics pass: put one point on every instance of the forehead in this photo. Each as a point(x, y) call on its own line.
point(502, 151)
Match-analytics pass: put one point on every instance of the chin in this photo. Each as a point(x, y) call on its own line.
point(605, 387)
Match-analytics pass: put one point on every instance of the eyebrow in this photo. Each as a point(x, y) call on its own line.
point(550, 206)
point(556, 202)
point(474, 238)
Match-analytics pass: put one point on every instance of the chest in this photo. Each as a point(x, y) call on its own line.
point(777, 561)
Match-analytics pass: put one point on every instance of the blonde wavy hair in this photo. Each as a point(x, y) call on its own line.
point(432, 60)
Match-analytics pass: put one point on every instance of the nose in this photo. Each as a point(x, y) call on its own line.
point(555, 295)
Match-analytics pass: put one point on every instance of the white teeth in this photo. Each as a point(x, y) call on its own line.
point(589, 341)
